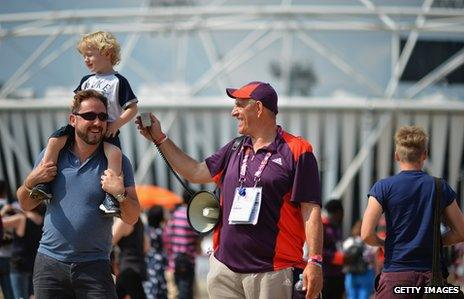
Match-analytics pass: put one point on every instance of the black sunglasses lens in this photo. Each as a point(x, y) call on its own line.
point(92, 116)
point(103, 116)
point(88, 116)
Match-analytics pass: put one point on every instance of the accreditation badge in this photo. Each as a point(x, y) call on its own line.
point(246, 205)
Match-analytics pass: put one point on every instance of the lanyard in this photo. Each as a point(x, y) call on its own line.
point(258, 173)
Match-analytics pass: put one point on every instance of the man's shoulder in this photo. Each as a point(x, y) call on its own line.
point(408, 176)
point(297, 144)
point(397, 180)
point(232, 145)
point(39, 157)
point(386, 181)
point(101, 155)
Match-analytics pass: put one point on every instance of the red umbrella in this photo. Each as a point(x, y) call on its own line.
point(150, 195)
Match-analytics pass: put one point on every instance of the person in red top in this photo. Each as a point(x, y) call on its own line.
point(258, 247)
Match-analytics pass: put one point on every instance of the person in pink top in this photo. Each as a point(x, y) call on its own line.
point(182, 245)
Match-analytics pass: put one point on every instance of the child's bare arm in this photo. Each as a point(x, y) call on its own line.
point(114, 156)
point(54, 146)
point(125, 117)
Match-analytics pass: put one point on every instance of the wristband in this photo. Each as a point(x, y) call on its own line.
point(316, 257)
point(312, 262)
point(162, 139)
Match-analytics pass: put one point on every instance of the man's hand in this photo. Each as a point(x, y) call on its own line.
point(43, 173)
point(153, 132)
point(112, 183)
point(312, 280)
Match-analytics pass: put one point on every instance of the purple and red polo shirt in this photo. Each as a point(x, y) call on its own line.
point(291, 176)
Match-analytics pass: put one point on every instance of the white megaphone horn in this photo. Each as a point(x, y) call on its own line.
point(203, 212)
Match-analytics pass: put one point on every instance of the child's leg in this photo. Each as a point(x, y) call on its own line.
point(54, 146)
point(110, 205)
point(114, 156)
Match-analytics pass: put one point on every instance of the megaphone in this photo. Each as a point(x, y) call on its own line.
point(203, 212)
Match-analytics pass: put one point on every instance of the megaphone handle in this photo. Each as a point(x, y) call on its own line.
point(169, 166)
point(210, 213)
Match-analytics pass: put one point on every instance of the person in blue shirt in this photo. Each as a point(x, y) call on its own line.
point(73, 259)
point(407, 200)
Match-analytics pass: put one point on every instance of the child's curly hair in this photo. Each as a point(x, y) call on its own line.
point(105, 42)
point(411, 142)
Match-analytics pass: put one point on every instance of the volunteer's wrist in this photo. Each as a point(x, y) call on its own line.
point(157, 135)
point(315, 259)
point(160, 139)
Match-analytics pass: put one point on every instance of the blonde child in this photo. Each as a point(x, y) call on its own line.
point(101, 52)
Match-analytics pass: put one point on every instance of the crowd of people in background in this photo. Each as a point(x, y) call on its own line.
point(350, 264)
point(21, 233)
point(155, 259)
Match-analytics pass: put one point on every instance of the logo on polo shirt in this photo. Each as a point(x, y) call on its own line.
point(277, 161)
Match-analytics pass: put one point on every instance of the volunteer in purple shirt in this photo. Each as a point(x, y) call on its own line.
point(270, 201)
point(407, 199)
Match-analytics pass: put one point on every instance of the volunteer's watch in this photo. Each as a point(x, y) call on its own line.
point(121, 197)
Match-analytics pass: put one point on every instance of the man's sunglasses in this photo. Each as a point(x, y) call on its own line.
point(92, 115)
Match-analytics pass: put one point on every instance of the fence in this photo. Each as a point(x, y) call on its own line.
point(352, 139)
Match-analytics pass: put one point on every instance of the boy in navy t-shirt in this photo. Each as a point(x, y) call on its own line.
point(407, 201)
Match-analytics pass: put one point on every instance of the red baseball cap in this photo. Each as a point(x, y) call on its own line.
point(258, 91)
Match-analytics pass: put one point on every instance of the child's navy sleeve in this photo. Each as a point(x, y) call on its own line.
point(79, 87)
point(126, 96)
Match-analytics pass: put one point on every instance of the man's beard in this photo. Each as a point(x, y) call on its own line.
point(88, 137)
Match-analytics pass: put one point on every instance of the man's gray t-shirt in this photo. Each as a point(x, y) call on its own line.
point(74, 228)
